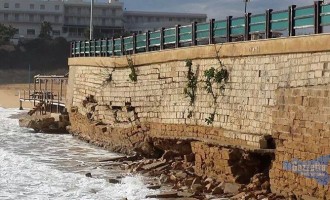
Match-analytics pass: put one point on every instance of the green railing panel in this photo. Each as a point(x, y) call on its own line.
point(117, 46)
point(169, 32)
point(304, 22)
point(307, 11)
point(258, 28)
point(169, 39)
point(141, 41)
point(237, 31)
point(276, 16)
point(220, 33)
point(155, 34)
point(238, 22)
point(220, 24)
point(98, 46)
point(281, 25)
point(77, 47)
point(185, 37)
point(104, 46)
point(202, 35)
point(154, 42)
point(185, 29)
point(325, 9)
point(257, 19)
point(202, 27)
point(87, 47)
point(325, 20)
point(109, 47)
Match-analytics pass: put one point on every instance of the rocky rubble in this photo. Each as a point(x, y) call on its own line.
point(178, 173)
point(45, 123)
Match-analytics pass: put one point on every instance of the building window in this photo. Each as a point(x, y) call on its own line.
point(170, 19)
point(30, 32)
point(79, 11)
point(78, 20)
point(16, 5)
point(66, 19)
point(5, 16)
point(57, 19)
point(42, 18)
point(113, 22)
point(158, 19)
point(56, 32)
point(57, 7)
point(149, 19)
point(104, 11)
point(16, 17)
point(6, 5)
point(31, 6)
point(42, 7)
point(114, 11)
point(103, 22)
point(31, 17)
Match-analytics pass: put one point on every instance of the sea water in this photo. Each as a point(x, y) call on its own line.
point(50, 166)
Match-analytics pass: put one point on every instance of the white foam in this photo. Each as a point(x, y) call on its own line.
point(37, 166)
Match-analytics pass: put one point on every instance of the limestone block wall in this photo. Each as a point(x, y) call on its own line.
point(243, 112)
point(301, 127)
point(277, 89)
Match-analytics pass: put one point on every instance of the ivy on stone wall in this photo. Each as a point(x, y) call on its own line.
point(132, 75)
point(190, 89)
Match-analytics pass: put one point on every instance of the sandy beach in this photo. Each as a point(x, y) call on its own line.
point(9, 95)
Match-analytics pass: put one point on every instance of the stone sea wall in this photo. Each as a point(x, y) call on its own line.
point(275, 97)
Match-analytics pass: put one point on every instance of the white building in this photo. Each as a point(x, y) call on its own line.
point(70, 18)
point(139, 21)
point(26, 16)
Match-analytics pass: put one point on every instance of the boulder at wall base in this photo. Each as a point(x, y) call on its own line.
point(47, 125)
point(147, 150)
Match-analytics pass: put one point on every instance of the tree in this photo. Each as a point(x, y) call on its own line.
point(46, 30)
point(6, 32)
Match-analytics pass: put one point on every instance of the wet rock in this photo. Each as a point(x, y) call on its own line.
point(113, 181)
point(163, 178)
point(164, 195)
point(154, 165)
point(265, 186)
point(188, 181)
point(217, 190)
point(154, 187)
point(89, 175)
point(168, 155)
point(232, 188)
point(181, 175)
point(197, 188)
point(189, 158)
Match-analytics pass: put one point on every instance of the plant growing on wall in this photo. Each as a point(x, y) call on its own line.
point(132, 75)
point(190, 89)
point(215, 78)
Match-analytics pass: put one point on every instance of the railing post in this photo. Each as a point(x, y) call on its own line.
point(177, 36)
point(94, 44)
point(122, 47)
point(106, 53)
point(292, 31)
point(100, 48)
point(193, 34)
point(247, 35)
point(228, 28)
point(268, 33)
point(211, 33)
point(317, 17)
point(161, 38)
point(147, 40)
point(72, 47)
point(90, 48)
point(134, 43)
point(79, 48)
point(113, 46)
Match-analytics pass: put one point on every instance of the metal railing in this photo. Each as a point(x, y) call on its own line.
point(266, 25)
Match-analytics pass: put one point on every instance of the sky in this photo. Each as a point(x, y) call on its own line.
point(217, 9)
